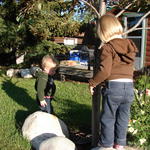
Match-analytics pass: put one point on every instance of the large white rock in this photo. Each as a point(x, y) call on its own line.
point(40, 127)
point(41, 123)
point(57, 143)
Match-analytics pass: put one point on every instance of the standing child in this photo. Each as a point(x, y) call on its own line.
point(44, 84)
point(116, 70)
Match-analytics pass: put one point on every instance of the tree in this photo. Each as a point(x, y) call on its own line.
point(30, 26)
point(46, 20)
point(10, 39)
point(137, 5)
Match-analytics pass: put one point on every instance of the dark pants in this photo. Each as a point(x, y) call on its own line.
point(117, 99)
point(48, 108)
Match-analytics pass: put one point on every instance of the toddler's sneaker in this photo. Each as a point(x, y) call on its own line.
point(119, 147)
point(103, 148)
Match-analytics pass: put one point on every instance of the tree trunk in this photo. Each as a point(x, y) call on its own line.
point(96, 103)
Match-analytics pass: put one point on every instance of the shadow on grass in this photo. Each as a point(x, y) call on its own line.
point(20, 117)
point(2, 71)
point(78, 119)
point(20, 96)
point(75, 115)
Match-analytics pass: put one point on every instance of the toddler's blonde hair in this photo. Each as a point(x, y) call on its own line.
point(108, 27)
point(48, 58)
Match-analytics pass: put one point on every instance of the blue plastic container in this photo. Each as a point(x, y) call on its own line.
point(74, 56)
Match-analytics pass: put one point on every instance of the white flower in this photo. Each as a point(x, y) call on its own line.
point(142, 112)
point(135, 131)
point(142, 141)
point(131, 129)
point(129, 125)
point(142, 103)
point(133, 121)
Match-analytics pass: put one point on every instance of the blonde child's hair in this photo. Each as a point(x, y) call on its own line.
point(109, 27)
point(48, 58)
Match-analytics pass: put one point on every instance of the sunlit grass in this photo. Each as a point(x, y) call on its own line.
point(17, 100)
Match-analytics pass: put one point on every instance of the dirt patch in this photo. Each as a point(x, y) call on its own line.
point(88, 147)
point(83, 142)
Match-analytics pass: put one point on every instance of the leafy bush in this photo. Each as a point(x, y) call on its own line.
point(139, 125)
point(36, 52)
point(29, 27)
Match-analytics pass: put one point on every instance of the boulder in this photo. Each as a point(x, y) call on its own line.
point(40, 123)
point(41, 126)
point(57, 143)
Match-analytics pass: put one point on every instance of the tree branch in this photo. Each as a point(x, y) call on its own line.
point(122, 11)
point(134, 27)
point(91, 7)
point(141, 29)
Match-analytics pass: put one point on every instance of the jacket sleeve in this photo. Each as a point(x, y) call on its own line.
point(53, 89)
point(105, 66)
point(41, 85)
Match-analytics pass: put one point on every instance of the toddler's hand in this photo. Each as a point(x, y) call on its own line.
point(43, 103)
point(91, 88)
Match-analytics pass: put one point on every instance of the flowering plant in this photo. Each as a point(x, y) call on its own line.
point(139, 125)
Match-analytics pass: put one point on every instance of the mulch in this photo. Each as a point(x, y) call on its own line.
point(81, 140)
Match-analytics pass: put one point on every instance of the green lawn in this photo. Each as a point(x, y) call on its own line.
point(17, 100)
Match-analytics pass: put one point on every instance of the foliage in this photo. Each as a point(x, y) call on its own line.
point(47, 19)
point(29, 26)
point(83, 13)
point(139, 124)
point(9, 38)
point(138, 5)
point(42, 48)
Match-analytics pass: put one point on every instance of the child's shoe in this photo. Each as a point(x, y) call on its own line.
point(103, 148)
point(119, 147)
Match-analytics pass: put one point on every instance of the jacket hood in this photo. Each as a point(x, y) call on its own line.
point(125, 48)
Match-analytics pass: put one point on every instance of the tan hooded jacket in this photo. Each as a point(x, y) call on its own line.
point(116, 61)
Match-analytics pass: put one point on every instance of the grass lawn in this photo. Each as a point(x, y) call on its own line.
point(72, 104)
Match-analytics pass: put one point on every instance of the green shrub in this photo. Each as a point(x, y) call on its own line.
point(139, 125)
